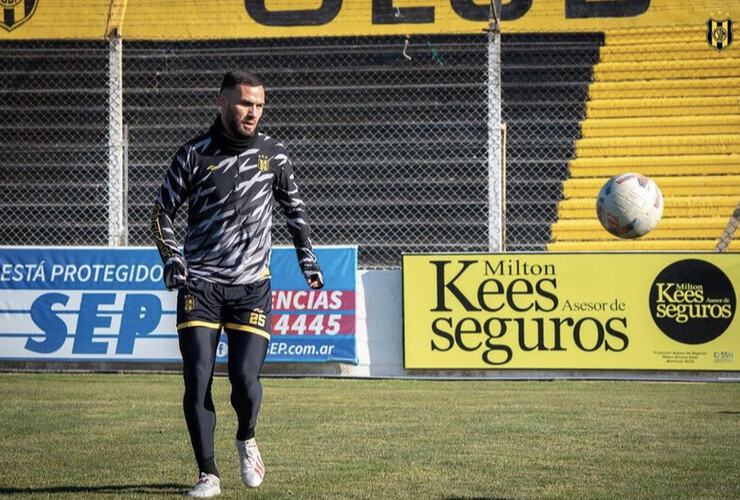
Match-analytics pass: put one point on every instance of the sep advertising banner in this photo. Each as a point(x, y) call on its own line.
point(572, 311)
point(106, 304)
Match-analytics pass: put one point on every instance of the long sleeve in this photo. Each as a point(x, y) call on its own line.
point(288, 196)
point(229, 198)
point(171, 195)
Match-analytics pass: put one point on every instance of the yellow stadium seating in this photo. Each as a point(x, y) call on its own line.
point(667, 105)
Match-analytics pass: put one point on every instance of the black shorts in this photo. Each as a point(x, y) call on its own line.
point(244, 308)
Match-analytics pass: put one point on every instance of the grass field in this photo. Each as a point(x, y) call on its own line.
point(123, 436)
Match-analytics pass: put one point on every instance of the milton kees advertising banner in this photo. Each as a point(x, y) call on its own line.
point(108, 304)
point(647, 311)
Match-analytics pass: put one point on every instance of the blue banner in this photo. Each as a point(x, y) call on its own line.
point(109, 304)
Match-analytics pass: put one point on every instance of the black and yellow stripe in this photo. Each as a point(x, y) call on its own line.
point(719, 33)
point(227, 326)
point(248, 329)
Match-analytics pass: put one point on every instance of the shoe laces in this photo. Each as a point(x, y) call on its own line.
point(251, 453)
point(204, 478)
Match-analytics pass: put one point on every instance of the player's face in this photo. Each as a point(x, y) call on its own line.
point(241, 109)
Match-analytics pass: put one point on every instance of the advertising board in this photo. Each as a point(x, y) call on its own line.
point(629, 311)
point(109, 304)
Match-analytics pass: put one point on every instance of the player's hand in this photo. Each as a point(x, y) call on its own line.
point(175, 272)
point(314, 279)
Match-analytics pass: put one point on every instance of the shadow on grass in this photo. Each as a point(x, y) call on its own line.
point(161, 489)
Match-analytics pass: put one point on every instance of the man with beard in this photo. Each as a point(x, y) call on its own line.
point(229, 177)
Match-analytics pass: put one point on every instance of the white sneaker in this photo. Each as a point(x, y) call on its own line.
point(207, 486)
point(250, 463)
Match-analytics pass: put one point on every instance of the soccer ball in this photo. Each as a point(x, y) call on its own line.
point(629, 205)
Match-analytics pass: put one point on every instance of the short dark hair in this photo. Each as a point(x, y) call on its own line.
point(237, 77)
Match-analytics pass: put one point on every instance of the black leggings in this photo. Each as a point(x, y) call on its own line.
point(247, 353)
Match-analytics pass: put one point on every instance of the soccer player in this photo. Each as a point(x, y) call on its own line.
point(229, 177)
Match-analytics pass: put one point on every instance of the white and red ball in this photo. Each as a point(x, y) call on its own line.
point(629, 205)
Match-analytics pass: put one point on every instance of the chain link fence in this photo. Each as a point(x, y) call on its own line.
point(388, 135)
point(53, 122)
point(388, 138)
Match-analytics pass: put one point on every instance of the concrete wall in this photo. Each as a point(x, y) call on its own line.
point(379, 324)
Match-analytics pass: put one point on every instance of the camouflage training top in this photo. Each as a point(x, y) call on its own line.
point(229, 191)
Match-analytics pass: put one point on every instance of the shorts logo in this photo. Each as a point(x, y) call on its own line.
point(16, 12)
point(719, 33)
point(263, 163)
point(188, 303)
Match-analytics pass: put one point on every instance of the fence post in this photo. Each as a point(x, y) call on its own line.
point(116, 228)
point(495, 162)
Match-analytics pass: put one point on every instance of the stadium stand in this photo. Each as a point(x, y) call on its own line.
point(545, 84)
point(670, 111)
point(53, 135)
point(391, 151)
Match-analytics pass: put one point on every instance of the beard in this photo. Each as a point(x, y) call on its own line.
point(235, 128)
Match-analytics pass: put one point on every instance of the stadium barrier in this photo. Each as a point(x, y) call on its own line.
point(389, 116)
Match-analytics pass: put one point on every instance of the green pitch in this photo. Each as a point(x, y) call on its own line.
point(123, 436)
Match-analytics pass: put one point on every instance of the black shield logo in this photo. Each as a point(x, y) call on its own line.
point(16, 12)
point(719, 33)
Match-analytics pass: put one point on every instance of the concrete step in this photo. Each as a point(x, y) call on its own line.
point(57, 232)
point(658, 165)
point(698, 185)
point(61, 135)
point(63, 80)
point(696, 49)
point(661, 125)
point(683, 88)
point(667, 228)
point(674, 206)
point(719, 144)
point(652, 70)
point(667, 106)
point(348, 75)
point(640, 245)
point(73, 191)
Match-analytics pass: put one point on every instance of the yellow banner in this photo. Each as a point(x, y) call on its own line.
point(572, 311)
point(58, 19)
point(219, 19)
